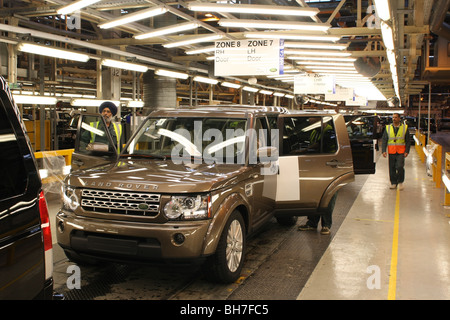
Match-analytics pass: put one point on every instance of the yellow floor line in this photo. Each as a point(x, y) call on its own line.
point(394, 257)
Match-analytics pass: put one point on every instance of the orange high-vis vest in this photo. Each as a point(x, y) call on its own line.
point(396, 142)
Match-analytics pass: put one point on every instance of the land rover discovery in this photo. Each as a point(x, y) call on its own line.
point(193, 183)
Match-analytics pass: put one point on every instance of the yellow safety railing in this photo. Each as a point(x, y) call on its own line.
point(436, 164)
point(66, 153)
point(420, 144)
point(445, 175)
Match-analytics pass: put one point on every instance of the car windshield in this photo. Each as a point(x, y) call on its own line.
point(208, 139)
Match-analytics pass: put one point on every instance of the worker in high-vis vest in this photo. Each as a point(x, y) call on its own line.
point(108, 110)
point(396, 141)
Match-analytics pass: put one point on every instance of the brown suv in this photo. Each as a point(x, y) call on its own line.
point(194, 183)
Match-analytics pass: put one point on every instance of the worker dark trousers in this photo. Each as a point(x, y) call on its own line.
point(397, 168)
point(313, 220)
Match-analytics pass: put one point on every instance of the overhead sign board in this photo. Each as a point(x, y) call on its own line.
point(341, 94)
point(312, 83)
point(249, 57)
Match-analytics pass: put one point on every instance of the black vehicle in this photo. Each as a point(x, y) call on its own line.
point(26, 261)
point(444, 124)
point(411, 122)
point(424, 125)
point(363, 132)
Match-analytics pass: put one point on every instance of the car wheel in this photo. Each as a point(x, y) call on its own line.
point(225, 265)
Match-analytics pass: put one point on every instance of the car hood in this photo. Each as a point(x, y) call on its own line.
point(159, 176)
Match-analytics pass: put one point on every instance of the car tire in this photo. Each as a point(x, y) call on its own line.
point(226, 264)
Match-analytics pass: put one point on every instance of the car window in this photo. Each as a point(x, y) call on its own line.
point(13, 175)
point(309, 135)
point(360, 127)
point(93, 136)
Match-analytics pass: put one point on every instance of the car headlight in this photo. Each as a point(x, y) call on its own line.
point(70, 199)
point(187, 207)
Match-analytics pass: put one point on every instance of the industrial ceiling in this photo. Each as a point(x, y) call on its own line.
point(420, 37)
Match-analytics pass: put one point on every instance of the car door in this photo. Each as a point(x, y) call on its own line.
point(363, 134)
point(314, 161)
point(94, 145)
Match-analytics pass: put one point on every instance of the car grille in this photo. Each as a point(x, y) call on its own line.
point(120, 202)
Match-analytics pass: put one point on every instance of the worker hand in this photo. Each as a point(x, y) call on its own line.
point(406, 154)
point(385, 154)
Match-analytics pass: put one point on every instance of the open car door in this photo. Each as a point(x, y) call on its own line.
point(94, 144)
point(313, 164)
point(363, 132)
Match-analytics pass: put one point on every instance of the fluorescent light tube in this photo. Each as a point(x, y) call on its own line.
point(321, 58)
point(278, 94)
point(135, 16)
point(383, 9)
point(333, 71)
point(171, 74)
point(135, 104)
point(31, 99)
point(318, 63)
point(250, 89)
point(290, 36)
point(167, 30)
point(52, 52)
point(272, 24)
point(289, 96)
point(388, 37)
point(205, 80)
point(266, 92)
point(329, 68)
point(90, 102)
point(317, 53)
point(201, 50)
point(230, 85)
point(254, 9)
point(192, 41)
point(75, 6)
point(315, 45)
point(124, 65)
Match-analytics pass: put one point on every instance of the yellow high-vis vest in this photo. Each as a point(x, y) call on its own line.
point(396, 142)
point(117, 130)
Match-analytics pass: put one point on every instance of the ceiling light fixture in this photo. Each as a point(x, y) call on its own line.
point(135, 16)
point(171, 74)
point(208, 38)
point(317, 53)
point(31, 99)
point(347, 59)
point(124, 65)
point(205, 80)
point(329, 68)
point(90, 102)
point(272, 24)
point(318, 63)
point(250, 89)
point(230, 85)
point(266, 92)
point(314, 45)
point(52, 52)
point(387, 35)
point(254, 9)
point(290, 36)
point(75, 6)
point(383, 9)
point(167, 30)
